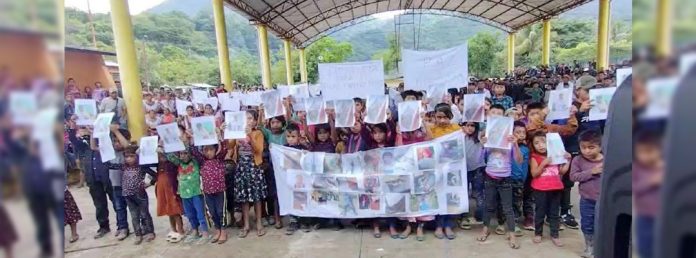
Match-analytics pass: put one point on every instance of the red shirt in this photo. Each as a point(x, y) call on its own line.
point(550, 178)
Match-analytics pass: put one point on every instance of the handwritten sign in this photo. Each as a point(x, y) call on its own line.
point(351, 80)
point(444, 69)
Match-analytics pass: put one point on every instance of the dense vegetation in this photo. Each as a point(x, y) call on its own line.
point(176, 43)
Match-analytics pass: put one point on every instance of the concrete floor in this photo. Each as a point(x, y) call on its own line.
point(323, 243)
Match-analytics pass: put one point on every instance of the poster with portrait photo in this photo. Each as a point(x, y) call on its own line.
point(299, 200)
point(409, 116)
point(423, 202)
point(203, 128)
point(474, 108)
point(661, 92)
point(147, 152)
point(559, 105)
point(455, 202)
point(298, 179)
point(199, 96)
point(454, 178)
point(369, 202)
point(345, 112)
point(86, 111)
point(352, 163)
point(272, 104)
point(324, 182)
point(600, 100)
point(371, 161)
point(371, 184)
point(498, 128)
point(171, 137)
point(436, 95)
point(235, 125)
point(23, 106)
point(332, 163)
point(425, 157)
point(396, 183)
point(102, 125)
point(181, 106)
point(316, 113)
point(376, 107)
point(228, 102)
point(298, 104)
point(555, 150)
point(348, 204)
point(424, 181)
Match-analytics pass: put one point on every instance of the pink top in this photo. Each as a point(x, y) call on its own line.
point(550, 178)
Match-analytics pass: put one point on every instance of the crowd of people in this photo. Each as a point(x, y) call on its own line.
point(208, 185)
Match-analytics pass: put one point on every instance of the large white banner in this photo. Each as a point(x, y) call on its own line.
point(446, 68)
point(350, 80)
point(426, 178)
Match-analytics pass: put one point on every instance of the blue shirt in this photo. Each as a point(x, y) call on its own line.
point(505, 101)
point(521, 170)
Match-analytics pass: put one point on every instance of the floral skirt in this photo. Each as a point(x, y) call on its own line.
point(249, 181)
point(72, 212)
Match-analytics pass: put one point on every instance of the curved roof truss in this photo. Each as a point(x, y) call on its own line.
point(305, 21)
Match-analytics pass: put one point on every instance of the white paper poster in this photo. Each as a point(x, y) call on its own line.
point(560, 102)
point(44, 120)
point(686, 62)
point(409, 116)
point(316, 113)
point(444, 69)
point(600, 100)
point(171, 137)
point(272, 104)
point(252, 98)
point(474, 110)
point(199, 96)
point(622, 74)
point(436, 95)
point(86, 111)
point(106, 149)
point(50, 157)
point(204, 130)
point(235, 125)
point(298, 104)
point(345, 112)
point(555, 150)
point(350, 80)
point(23, 107)
point(181, 106)
point(213, 102)
point(376, 108)
point(102, 125)
point(661, 93)
point(228, 102)
point(147, 152)
point(314, 90)
point(498, 128)
point(296, 91)
point(354, 185)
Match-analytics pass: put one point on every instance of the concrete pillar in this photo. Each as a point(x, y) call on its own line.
point(546, 43)
point(223, 51)
point(264, 55)
point(303, 66)
point(288, 61)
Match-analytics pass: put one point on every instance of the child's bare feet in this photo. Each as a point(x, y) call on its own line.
point(419, 232)
point(512, 241)
point(393, 233)
point(260, 231)
point(438, 233)
point(74, 238)
point(536, 239)
point(557, 242)
point(484, 234)
point(406, 233)
point(149, 237)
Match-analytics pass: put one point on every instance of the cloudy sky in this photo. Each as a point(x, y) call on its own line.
point(103, 6)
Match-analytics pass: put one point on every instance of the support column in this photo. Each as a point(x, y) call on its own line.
point(303, 66)
point(603, 35)
point(511, 52)
point(223, 51)
point(128, 67)
point(664, 28)
point(288, 62)
point(264, 55)
point(546, 43)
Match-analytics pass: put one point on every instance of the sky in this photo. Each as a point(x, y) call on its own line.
point(103, 6)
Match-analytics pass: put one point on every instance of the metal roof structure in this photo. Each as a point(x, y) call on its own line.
point(305, 21)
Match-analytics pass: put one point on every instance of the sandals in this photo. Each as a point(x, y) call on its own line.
point(513, 244)
point(278, 225)
point(439, 235)
point(175, 238)
point(536, 239)
point(74, 238)
point(243, 233)
point(483, 237)
point(260, 232)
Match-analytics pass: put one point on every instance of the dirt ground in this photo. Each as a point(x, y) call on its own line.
point(322, 243)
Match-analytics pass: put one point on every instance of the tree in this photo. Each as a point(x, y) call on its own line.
point(390, 57)
point(484, 55)
point(325, 50)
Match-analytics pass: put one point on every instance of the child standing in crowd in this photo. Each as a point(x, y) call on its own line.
point(648, 175)
point(133, 184)
point(188, 176)
point(250, 182)
point(498, 182)
point(168, 202)
point(380, 136)
point(587, 169)
point(72, 216)
point(548, 188)
point(211, 158)
point(322, 142)
point(475, 167)
point(273, 133)
point(520, 170)
point(443, 126)
point(292, 136)
point(500, 98)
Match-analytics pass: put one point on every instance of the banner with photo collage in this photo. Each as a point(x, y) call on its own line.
point(426, 178)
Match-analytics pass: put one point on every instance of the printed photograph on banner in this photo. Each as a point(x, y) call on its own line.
point(181, 107)
point(395, 203)
point(106, 149)
point(474, 108)
point(369, 202)
point(661, 92)
point(424, 181)
point(600, 100)
point(298, 179)
point(348, 204)
point(425, 157)
point(404, 160)
point(454, 177)
point(235, 125)
point(204, 130)
point(102, 124)
point(322, 197)
point(560, 102)
point(371, 160)
point(454, 202)
point(388, 160)
point(409, 116)
point(498, 128)
point(555, 149)
point(376, 107)
point(171, 137)
point(299, 200)
point(396, 183)
point(345, 112)
point(324, 182)
point(371, 184)
point(86, 111)
point(272, 104)
point(147, 152)
point(332, 163)
point(347, 184)
point(23, 106)
point(352, 163)
point(315, 111)
point(451, 150)
point(424, 202)
point(313, 162)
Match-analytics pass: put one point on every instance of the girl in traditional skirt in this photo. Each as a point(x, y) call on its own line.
point(72, 216)
point(168, 202)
